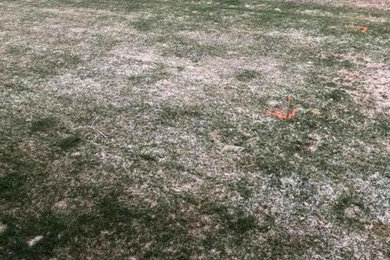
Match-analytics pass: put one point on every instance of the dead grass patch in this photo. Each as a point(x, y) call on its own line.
point(371, 84)
point(368, 83)
point(377, 4)
point(372, 4)
point(221, 37)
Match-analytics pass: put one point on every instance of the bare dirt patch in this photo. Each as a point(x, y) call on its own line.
point(370, 85)
point(375, 4)
point(318, 2)
point(218, 37)
point(380, 4)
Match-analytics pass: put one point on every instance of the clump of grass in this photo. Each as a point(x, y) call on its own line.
point(53, 229)
point(229, 2)
point(43, 124)
point(149, 77)
point(186, 48)
point(242, 223)
point(11, 183)
point(344, 202)
point(243, 187)
point(15, 86)
point(69, 142)
point(337, 95)
point(247, 75)
point(234, 220)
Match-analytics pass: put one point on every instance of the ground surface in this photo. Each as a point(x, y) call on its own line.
point(137, 130)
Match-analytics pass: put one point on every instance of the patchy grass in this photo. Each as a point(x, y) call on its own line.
point(137, 130)
point(246, 75)
point(43, 124)
point(69, 142)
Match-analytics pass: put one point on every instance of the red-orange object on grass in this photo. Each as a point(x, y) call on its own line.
point(363, 29)
point(283, 114)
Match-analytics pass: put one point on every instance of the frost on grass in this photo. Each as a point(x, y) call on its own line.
point(370, 85)
point(34, 240)
point(376, 4)
point(218, 37)
point(372, 4)
point(3, 227)
point(173, 172)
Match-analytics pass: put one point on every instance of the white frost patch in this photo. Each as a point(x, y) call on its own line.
point(34, 240)
point(183, 187)
point(376, 195)
point(175, 91)
point(357, 242)
point(214, 70)
point(210, 70)
point(299, 37)
point(125, 52)
point(61, 205)
point(371, 84)
point(353, 212)
point(219, 37)
point(316, 12)
point(3, 227)
point(288, 181)
point(380, 4)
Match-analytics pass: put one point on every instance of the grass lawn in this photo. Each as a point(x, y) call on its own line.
point(138, 129)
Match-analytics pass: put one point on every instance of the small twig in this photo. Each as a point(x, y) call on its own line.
point(93, 122)
point(95, 129)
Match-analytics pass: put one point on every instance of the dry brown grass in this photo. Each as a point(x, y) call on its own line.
point(371, 84)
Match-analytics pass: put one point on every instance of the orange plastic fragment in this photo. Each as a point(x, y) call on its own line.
point(363, 29)
point(282, 114)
